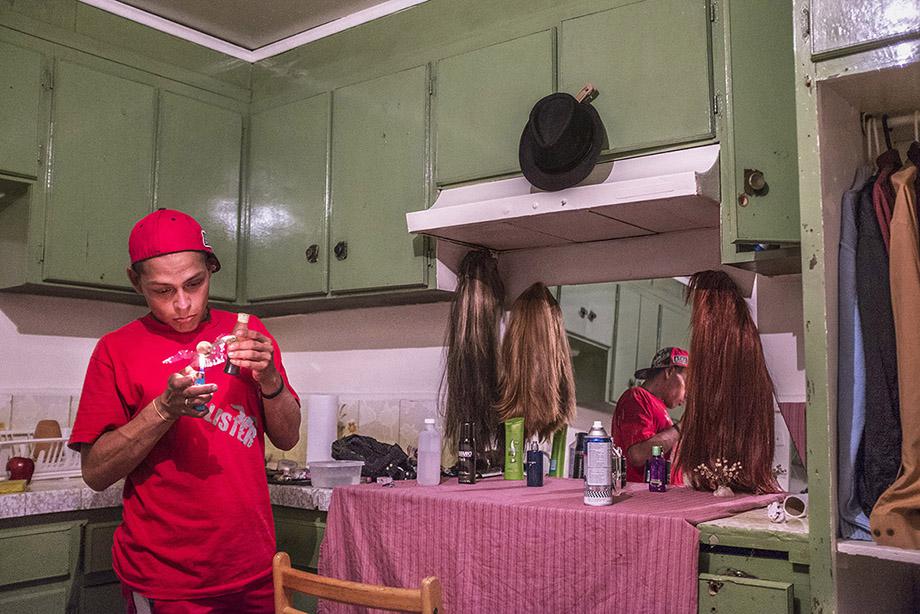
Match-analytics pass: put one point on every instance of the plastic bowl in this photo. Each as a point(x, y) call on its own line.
point(327, 474)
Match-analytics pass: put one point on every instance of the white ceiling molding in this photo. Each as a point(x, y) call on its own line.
point(211, 42)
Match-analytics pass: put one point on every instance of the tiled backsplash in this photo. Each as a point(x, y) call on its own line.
point(20, 411)
point(390, 420)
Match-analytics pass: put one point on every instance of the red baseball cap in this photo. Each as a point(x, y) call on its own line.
point(167, 231)
point(664, 358)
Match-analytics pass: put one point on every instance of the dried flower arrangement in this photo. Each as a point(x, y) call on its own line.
point(720, 475)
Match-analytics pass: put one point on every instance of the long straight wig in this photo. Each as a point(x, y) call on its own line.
point(729, 406)
point(537, 380)
point(469, 389)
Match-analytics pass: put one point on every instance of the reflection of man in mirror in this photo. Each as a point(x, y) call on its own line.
point(641, 418)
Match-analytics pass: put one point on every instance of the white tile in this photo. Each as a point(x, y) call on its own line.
point(412, 414)
point(380, 419)
point(28, 409)
point(349, 417)
point(74, 405)
point(6, 409)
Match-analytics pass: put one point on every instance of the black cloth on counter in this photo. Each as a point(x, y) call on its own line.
point(879, 457)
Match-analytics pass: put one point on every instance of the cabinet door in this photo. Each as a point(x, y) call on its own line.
point(761, 94)
point(198, 172)
point(858, 25)
point(650, 62)
point(288, 157)
point(484, 98)
point(588, 311)
point(101, 173)
point(41, 599)
point(379, 173)
point(626, 340)
point(21, 88)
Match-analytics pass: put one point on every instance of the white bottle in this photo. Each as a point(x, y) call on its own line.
point(429, 455)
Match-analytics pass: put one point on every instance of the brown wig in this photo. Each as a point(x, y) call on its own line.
point(537, 380)
point(729, 407)
point(471, 373)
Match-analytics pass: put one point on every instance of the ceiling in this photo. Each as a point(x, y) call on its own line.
point(251, 30)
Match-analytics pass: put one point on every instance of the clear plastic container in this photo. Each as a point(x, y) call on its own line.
point(328, 474)
point(429, 455)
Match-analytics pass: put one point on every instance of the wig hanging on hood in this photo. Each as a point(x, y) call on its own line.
point(729, 408)
point(537, 380)
point(471, 374)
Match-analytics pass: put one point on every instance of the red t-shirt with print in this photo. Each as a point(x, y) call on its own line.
point(639, 415)
point(197, 519)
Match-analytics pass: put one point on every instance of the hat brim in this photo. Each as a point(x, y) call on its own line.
point(644, 373)
point(573, 176)
point(208, 255)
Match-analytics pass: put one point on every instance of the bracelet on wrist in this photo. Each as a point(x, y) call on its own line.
point(156, 408)
point(275, 393)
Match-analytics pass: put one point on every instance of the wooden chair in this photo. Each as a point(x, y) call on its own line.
point(426, 599)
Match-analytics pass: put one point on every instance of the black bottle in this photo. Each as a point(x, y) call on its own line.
point(466, 455)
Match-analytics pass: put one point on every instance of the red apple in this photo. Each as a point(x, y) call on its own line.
point(20, 468)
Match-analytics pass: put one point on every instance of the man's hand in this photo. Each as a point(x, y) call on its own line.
point(256, 352)
point(183, 398)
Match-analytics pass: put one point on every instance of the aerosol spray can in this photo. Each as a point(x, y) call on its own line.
point(598, 474)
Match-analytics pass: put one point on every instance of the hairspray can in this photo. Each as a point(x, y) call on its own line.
point(598, 474)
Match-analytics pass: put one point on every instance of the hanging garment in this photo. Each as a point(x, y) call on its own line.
point(895, 520)
point(878, 460)
point(851, 375)
point(882, 192)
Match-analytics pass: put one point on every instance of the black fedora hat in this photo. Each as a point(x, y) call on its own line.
point(561, 142)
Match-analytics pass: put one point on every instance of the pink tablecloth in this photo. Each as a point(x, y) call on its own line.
point(499, 546)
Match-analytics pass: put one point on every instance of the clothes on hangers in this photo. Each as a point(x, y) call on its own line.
point(882, 192)
point(896, 516)
point(851, 370)
point(878, 458)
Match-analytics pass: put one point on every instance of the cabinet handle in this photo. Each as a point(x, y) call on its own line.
point(582, 312)
point(312, 253)
point(341, 250)
point(591, 316)
point(755, 184)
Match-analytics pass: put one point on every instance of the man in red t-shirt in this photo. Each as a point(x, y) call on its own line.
point(641, 418)
point(197, 532)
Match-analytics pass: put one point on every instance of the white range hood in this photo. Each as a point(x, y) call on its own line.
point(635, 197)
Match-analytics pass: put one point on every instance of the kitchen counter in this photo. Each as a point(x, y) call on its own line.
point(72, 494)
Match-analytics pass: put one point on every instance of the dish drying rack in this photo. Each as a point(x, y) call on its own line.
point(53, 458)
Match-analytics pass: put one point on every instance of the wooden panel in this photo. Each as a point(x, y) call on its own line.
point(764, 120)
point(20, 125)
point(287, 198)
point(650, 62)
point(484, 99)
point(38, 553)
point(379, 173)
point(101, 173)
point(731, 595)
point(198, 172)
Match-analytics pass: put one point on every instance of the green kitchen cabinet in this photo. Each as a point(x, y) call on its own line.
point(23, 79)
point(650, 62)
point(483, 101)
point(101, 179)
point(43, 599)
point(198, 172)
point(300, 533)
point(287, 250)
point(380, 171)
point(760, 189)
point(38, 566)
point(731, 595)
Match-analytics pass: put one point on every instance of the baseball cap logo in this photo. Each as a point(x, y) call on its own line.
point(204, 239)
point(680, 360)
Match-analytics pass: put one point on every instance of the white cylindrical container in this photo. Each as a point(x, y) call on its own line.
point(429, 455)
point(322, 425)
point(598, 474)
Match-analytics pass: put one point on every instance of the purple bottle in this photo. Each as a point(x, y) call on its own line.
point(656, 471)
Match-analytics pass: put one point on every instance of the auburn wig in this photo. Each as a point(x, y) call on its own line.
point(471, 373)
point(729, 407)
point(536, 379)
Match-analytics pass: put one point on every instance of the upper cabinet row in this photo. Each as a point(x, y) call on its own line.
point(307, 198)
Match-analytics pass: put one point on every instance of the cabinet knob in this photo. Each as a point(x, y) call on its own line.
point(582, 312)
point(341, 250)
point(755, 184)
point(312, 253)
point(591, 316)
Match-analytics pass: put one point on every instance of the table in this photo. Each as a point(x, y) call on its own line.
point(499, 546)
